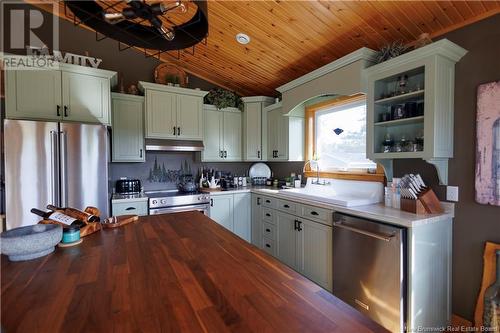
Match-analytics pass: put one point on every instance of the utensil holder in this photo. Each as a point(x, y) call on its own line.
point(427, 203)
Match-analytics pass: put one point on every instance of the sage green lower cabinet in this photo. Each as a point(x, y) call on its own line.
point(287, 236)
point(304, 245)
point(256, 220)
point(233, 212)
point(242, 216)
point(128, 128)
point(221, 210)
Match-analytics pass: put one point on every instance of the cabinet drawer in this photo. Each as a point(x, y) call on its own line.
point(269, 202)
point(268, 245)
point(268, 215)
point(269, 230)
point(125, 208)
point(317, 214)
point(287, 206)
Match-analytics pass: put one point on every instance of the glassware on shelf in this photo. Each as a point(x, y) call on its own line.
point(419, 141)
point(398, 111)
point(387, 144)
point(385, 116)
point(402, 84)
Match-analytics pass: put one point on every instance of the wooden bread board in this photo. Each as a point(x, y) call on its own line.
point(489, 276)
point(208, 190)
point(118, 221)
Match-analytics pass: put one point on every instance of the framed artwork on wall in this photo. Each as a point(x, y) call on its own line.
point(488, 144)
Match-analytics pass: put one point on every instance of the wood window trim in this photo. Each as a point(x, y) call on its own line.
point(310, 115)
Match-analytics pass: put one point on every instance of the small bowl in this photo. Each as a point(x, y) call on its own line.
point(30, 242)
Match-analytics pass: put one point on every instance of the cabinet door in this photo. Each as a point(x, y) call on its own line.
point(232, 136)
point(128, 130)
point(256, 220)
point(86, 98)
point(287, 239)
point(161, 111)
point(33, 94)
point(212, 136)
point(273, 133)
point(282, 137)
point(221, 210)
point(253, 132)
point(190, 117)
point(242, 216)
point(314, 255)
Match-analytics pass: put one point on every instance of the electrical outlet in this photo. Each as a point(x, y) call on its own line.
point(452, 193)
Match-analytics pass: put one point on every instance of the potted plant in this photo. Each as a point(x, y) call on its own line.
point(222, 98)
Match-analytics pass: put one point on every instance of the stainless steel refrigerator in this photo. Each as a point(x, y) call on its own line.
point(64, 164)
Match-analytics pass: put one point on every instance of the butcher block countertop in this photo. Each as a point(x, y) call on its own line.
point(167, 273)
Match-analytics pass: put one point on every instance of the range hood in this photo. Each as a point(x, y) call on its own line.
point(173, 145)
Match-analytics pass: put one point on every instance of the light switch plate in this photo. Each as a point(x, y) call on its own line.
point(452, 193)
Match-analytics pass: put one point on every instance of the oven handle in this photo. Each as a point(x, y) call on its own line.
point(201, 208)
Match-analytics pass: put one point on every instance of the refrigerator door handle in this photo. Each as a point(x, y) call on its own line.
point(54, 165)
point(64, 170)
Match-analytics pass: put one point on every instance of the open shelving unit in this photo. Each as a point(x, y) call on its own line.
point(410, 107)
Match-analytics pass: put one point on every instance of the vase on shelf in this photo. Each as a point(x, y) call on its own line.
point(491, 314)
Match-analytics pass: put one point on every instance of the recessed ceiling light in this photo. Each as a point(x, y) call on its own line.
point(243, 38)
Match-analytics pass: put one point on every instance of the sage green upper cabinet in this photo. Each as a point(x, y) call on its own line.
point(161, 112)
point(128, 128)
point(222, 134)
point(231, 133)
point(86, 98)
point(212, 135)
point(420, 84)
point(33, 94)
point(173, 112)
point(285, 134)
point(65, 93)
point(254, 128)
point(190, 117)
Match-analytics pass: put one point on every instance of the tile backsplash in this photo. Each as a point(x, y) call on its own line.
point(161, 170)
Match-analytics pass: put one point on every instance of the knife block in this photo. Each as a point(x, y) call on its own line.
point(427, 203)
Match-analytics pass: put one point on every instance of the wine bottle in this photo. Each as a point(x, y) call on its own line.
point(75, 213)
point(58, 217)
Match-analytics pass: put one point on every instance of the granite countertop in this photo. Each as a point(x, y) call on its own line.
point(116, 198)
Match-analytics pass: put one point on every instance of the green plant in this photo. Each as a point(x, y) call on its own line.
point(390, 51)
point(222, 98)
point(174, 79)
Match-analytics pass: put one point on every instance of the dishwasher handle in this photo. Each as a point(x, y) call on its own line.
point(384, 237)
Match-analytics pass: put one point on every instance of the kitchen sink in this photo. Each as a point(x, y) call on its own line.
point(345, 193)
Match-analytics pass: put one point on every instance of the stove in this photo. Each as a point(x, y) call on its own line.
point(173, 201)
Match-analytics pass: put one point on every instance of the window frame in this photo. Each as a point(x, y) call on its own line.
point(310, 144)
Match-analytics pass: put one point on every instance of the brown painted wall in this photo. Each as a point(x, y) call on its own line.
point(474, 224)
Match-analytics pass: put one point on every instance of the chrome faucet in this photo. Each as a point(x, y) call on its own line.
point(317, 182)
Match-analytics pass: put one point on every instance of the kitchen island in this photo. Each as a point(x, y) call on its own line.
point(176, 272)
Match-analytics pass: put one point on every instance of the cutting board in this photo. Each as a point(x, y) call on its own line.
point(489, 276)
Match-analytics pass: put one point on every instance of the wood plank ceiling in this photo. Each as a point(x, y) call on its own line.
point(292, 38)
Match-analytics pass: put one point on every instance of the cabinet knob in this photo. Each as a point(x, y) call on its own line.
point(267, 214)
point(178, 131)
point(268, 230)
point(314, 213)
point(225, 153)
point(267, 245)
point(211, 202)
point(58, 110)
point(65, 110)
point(286, 206)
point(140, 153)
point(174, 130)
point(258, 153)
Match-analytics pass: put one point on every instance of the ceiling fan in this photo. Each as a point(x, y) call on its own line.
point(139, 23)
point(139, 9)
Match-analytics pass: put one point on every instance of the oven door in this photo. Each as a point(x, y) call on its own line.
point(205, 209)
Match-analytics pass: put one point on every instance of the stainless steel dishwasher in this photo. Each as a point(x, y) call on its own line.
point(369, 269)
